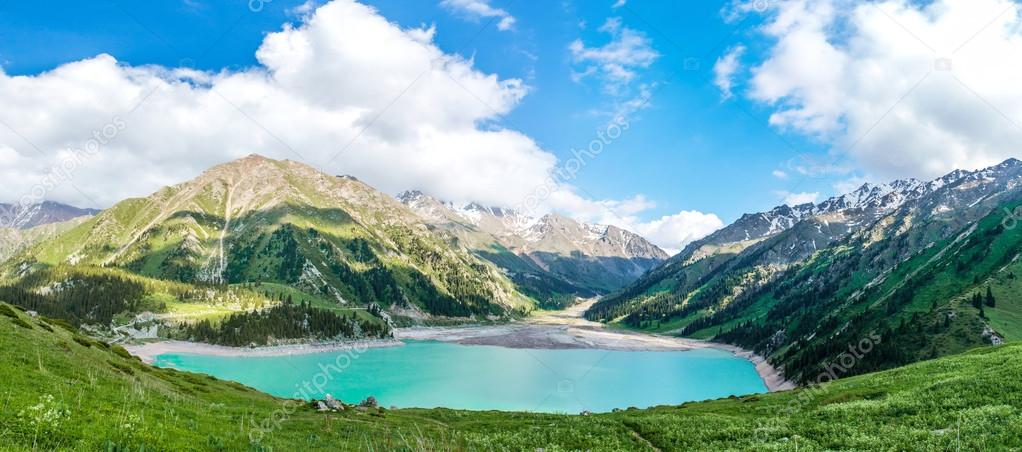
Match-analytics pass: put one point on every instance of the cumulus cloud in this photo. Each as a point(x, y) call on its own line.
point(616, 67)
point(617, 61)
point(673, 232)
point(481, 9)
point(725, 68)
point(779, 174)
point(344, 90)
point(905, 88)
point(795, 199)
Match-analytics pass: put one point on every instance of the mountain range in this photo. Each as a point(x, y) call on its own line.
point(37, 214)
point(23, 227)
point(799, 283)
point(333, 239)
point(261, 220)
point(927, 266)
point(552, 258)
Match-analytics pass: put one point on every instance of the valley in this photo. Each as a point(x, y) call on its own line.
point(481, 225)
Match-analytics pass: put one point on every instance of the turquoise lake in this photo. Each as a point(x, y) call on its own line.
point(474, 377)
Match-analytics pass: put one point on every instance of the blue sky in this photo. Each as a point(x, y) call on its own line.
point(690, 148)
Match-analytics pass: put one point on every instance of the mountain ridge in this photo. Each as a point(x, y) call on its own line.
point(261, 220)
point(549, 254)
point(856, 259)
point(38, 214)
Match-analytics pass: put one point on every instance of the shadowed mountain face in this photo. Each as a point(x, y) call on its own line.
point(47, 212)
point(552, 258)
point(897, 259)
point(261, 220)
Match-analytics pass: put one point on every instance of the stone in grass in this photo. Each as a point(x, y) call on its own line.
point(333, 403)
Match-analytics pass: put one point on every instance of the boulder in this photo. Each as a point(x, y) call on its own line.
point(333, 403)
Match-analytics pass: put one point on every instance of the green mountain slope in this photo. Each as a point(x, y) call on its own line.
point(13, 240)
point(260, 220)
point(907, 277)
point(63, 391)
point(920, 303)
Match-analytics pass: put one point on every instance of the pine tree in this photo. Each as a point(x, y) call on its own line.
point(990, 298)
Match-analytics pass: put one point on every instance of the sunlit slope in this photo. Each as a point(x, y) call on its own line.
point(262, 220)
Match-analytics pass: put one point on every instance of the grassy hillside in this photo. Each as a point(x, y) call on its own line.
point(13, 240)
point(105, 299)
point(63, 391)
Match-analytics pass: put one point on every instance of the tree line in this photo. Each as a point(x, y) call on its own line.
point(282, 322)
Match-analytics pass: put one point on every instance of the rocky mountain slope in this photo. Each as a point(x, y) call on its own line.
point(12, 216)
point(796, 282)
point(261, 220)
point(24, 227)
point(550, 257)
point(13, 240)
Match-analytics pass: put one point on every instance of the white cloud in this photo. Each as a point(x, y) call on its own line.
point(617, 61)
point(618, 3)
point(795, 199)
point(669, 232)
point(414, 116)
point(481, 9)
point(906, 88)
point(303, 9)
point(673, 232)
point(725, 68)
point(779, 174)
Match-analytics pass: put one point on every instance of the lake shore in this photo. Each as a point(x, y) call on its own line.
point(569, 329)
point(149, 351)
point(565, 329)
point(531, 335)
